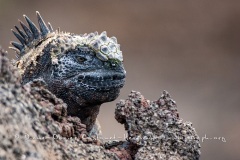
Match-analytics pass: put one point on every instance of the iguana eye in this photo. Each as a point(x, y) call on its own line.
point(81, 59)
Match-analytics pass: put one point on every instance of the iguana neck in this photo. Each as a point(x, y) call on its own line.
point(88, 115)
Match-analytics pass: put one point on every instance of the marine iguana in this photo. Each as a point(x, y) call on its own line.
point(83, 70)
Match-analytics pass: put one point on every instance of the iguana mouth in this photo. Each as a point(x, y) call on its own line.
point(104, 82)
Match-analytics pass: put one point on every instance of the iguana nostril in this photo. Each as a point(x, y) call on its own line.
point(114, 77)
point(118, 77)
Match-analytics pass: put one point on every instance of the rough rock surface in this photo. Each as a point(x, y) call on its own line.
point(155, 127)
point(34, 124)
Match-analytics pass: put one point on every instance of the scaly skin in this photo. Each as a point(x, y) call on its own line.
point(83, 70)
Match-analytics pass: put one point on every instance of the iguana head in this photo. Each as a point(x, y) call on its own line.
point(84, 70)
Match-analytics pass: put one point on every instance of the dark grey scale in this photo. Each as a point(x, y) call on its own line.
point(43, 27)
point(97, 78)
point(55, 68)
point(88, 77)
point(19, 37)
point(55, 74)
point(90, 83)
point(93, 83)
point(33, 28)
point(67, 71)
point(27, 31)
point(71, 73)
point(59, 71)
point(18, 46)
point(92, 89)
point(24, 36)
point(108, 77)
point(80, 80)
point(81, 77)
point(116, 77)
point(56, 65)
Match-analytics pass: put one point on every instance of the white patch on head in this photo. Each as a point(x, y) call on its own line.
point(106, 48)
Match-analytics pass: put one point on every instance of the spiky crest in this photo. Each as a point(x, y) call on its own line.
point(30, 34)
point(105, 48)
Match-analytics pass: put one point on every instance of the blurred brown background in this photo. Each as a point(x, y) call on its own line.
point(189, 48)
